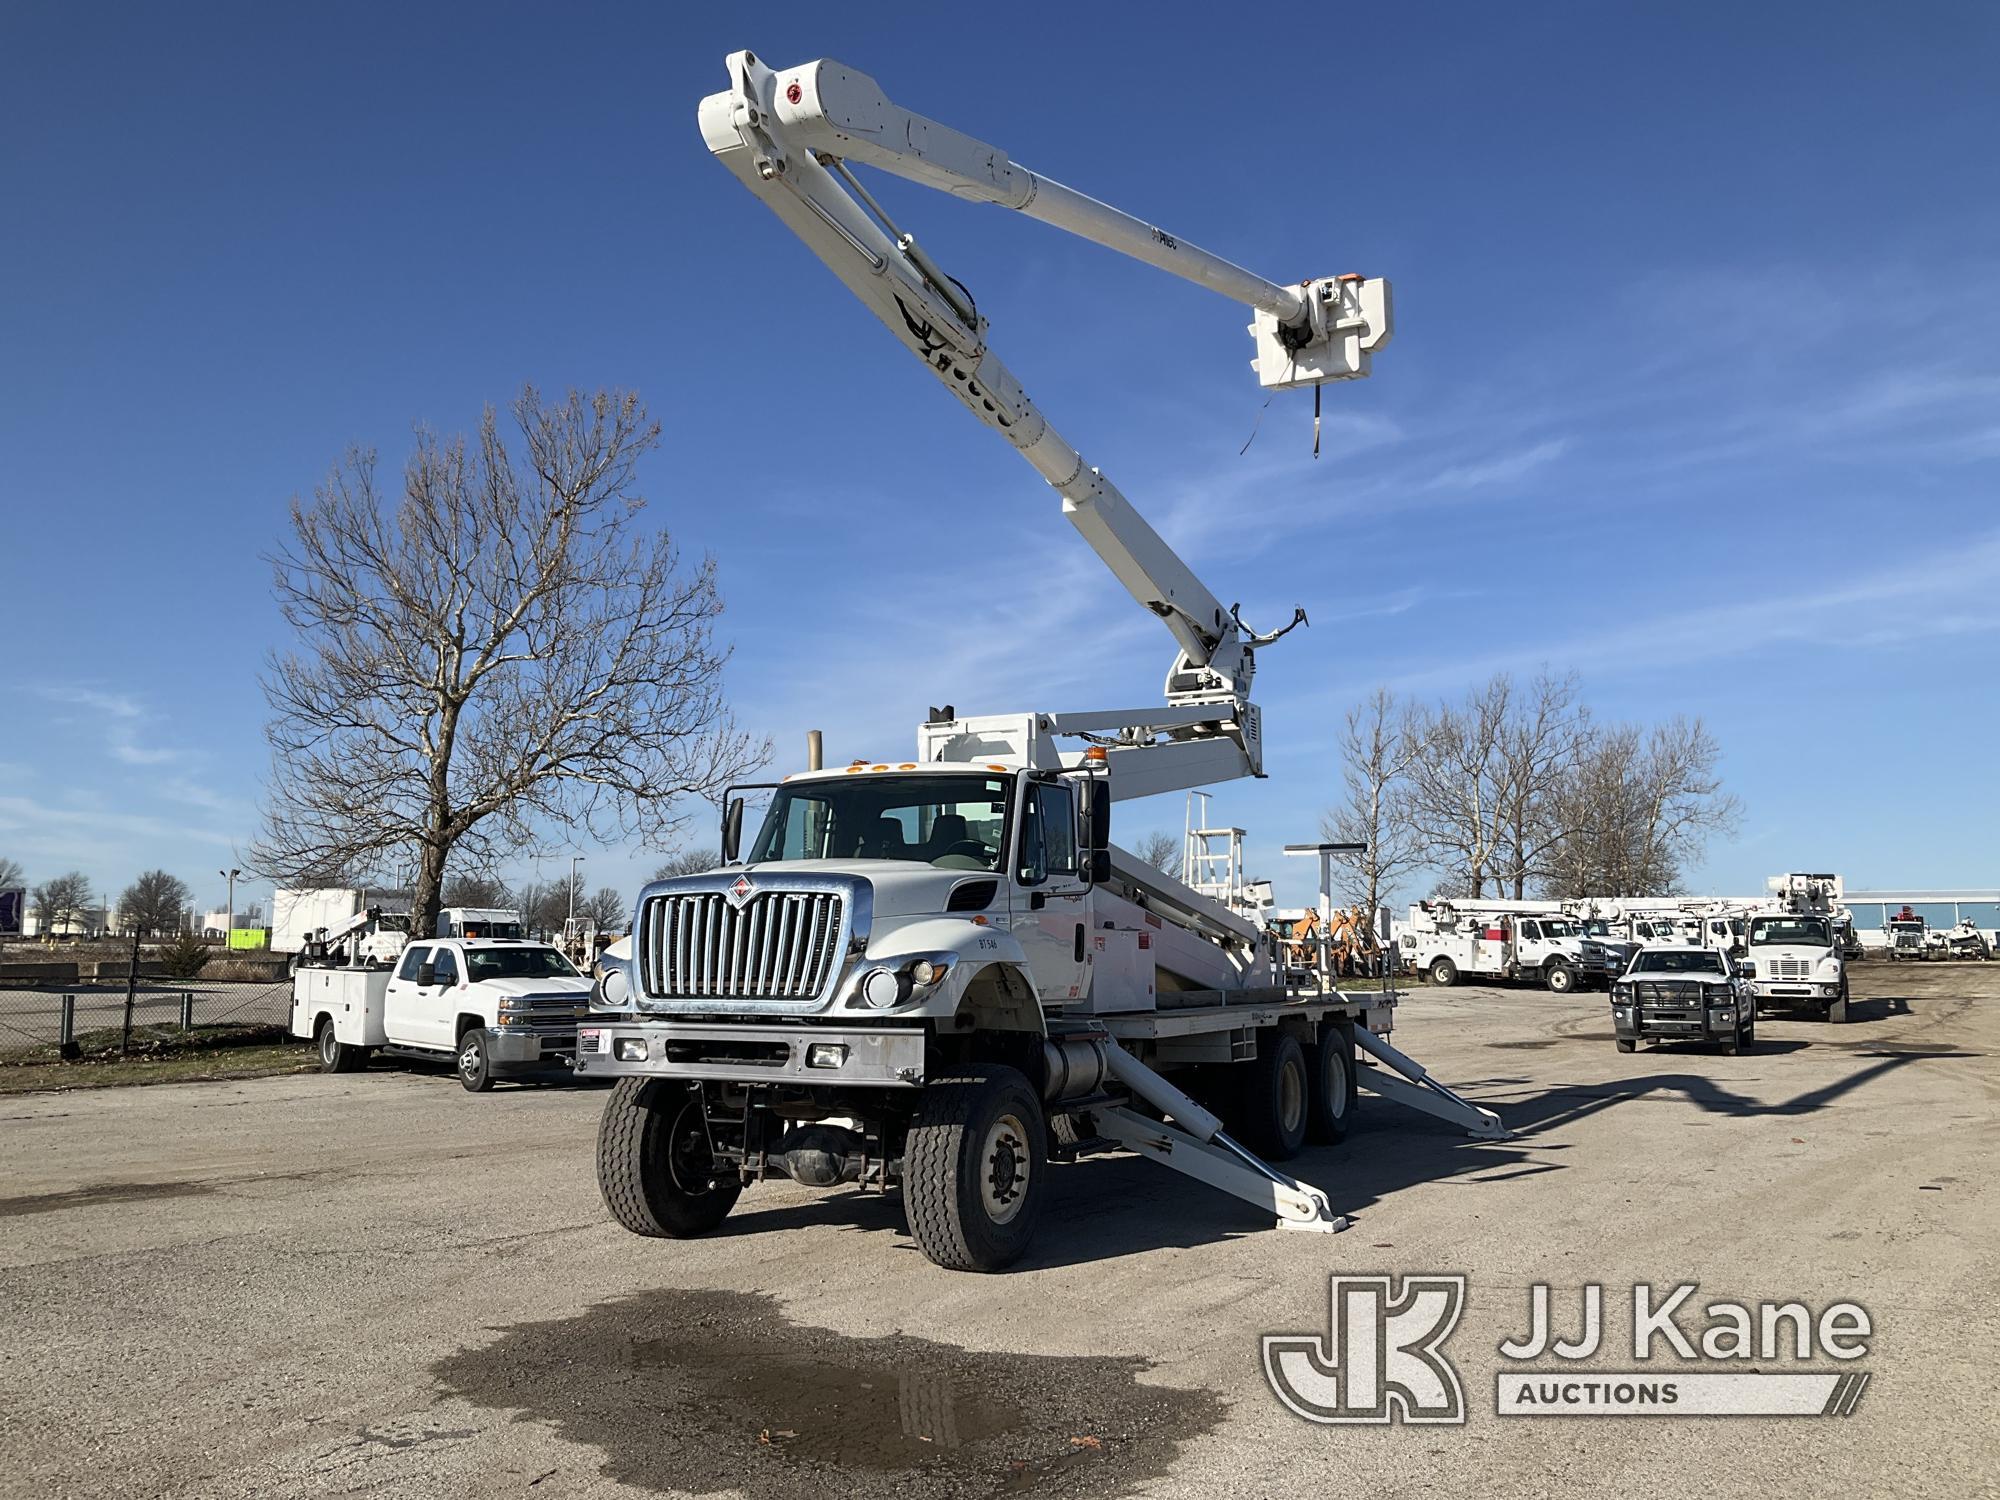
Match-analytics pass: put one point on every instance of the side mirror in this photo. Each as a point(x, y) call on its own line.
point(1745, 969)
point(1100, 819)
point(1100, 866)
point(427, 975)
point(732, 829)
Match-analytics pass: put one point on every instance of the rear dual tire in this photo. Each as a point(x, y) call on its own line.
point(336, 1056)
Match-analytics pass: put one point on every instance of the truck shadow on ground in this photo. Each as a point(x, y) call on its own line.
point(1105, 1208)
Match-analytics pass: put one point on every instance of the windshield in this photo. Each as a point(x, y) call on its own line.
point(517, 963)
point(954, 822)
point(1657, 962)
point(1558, 927)
point(1597, 927)
point(1807, 932)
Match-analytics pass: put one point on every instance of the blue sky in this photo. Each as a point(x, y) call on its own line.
point(1695, 387)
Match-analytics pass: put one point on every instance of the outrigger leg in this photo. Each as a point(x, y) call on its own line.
point(1196, 1145)
point(1405, 1080)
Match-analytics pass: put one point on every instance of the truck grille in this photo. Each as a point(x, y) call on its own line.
point(1790, 968)
point(778, 945)
point(1667, 995)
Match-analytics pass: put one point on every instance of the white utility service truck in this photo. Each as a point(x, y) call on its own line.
point(1515, 940)
point(938, 972)
point(497, 1007)
point(373, 939)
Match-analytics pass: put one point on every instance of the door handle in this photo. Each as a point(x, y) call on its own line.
point(1079, 942)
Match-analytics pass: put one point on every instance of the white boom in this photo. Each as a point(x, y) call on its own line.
point(789, 136)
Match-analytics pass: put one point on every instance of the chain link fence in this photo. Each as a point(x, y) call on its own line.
point(35, 1024)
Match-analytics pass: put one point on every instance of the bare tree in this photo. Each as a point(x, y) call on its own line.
point(479, 891)
point(688, 862)
point(11, 875)
point(502, 650)
point(606, 907)
point(1635, 808)
point(1162, 851)
point(1540, 744)
point(1454, 778)
point(153, 904)
point(1376, 749)
point(61, 903)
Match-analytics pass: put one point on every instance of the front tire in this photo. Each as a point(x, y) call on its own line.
point(1626, 1044)
point(974, 1169)
point(475, 1061)
point(1837, 1011)
point(654, 1166)
point(1444, 973)
point(1560, 978)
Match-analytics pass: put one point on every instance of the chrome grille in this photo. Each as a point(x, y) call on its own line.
point(778, 945)
point(1790, 968)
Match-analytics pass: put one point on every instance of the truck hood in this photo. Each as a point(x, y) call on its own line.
point(901, 888)
point(527, 989)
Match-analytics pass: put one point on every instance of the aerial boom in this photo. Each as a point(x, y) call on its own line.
point(789, 136)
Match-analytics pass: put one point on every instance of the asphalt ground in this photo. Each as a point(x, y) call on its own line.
point(376, 1284)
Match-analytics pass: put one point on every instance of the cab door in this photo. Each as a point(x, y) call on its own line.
point(1051, 899)
point(415, 1012)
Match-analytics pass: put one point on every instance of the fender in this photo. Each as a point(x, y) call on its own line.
point(979, 957)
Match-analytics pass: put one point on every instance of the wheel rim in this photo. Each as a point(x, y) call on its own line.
point(469, 1059)
point(1291, 1096)
point(689, 1161)
point(1004, 1169)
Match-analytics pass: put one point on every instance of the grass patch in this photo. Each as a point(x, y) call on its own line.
point(160, 1054)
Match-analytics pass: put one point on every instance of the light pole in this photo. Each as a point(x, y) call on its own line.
point(574, 861)
point(230, 876)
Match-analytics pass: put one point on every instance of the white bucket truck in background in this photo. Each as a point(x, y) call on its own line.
point(1795, 956)
point(1517, 940)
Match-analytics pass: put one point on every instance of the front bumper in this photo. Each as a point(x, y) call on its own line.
point(1793, 989)
point(518, 1049)
point(1690, 1023)
point(837, 1057)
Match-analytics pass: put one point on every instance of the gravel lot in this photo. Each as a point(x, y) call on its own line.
point(377, 1284)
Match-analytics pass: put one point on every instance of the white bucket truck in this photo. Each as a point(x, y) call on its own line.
point(1795, 955)
point(937, 973)
point(1514, 940)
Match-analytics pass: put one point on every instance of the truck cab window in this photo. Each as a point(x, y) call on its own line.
point(446, 966)
point(1531, 932)
point(413, 960)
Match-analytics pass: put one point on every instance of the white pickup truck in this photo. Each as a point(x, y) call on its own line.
point(499, 1007)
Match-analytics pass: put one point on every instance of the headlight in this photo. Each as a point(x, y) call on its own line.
point(882, 988)
point(612, 990)
point(924, 972)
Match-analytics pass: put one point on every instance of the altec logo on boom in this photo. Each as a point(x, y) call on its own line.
point(1383, 1360)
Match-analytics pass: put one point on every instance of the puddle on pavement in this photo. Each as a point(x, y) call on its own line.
point(712, 1391)
point(103, 1192)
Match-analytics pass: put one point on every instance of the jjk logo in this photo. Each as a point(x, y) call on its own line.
point(1381, 1360)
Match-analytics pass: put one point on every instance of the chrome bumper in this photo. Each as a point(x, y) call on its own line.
point(797, 1055)
point(509, 1048)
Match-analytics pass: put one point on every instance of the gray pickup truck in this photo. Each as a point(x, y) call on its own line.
point(1683, 994)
